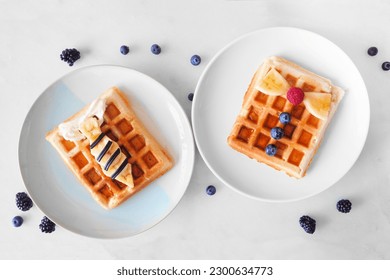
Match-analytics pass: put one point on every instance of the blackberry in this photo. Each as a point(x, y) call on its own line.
point(344, 206)
point(70, 56)
point(308, 224)
point(190, 96)
point(47, 225)
point(23, 201)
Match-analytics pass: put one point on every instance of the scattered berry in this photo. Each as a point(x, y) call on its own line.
point(23, 201)
point(195, 60)
point(295, 95)
point(124, 50)
point(386, 66)
point(211, 190)
point(190, 96)
point(17, 221)
point(47, 225)
point(372, 51)
point(344, 206)
point(308, 224)
point(271, 149)
point(156, 49)
point(285, 118)
point(70, 56)
point(277, 133)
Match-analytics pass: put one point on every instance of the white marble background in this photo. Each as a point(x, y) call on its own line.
point(227, 225)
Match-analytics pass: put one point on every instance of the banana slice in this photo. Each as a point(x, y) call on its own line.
point(273, 84)
point(318, 104)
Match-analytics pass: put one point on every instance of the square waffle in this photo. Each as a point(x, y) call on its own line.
point(147, 158)
point(260, 113)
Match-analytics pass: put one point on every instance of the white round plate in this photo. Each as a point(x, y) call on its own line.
point(58, 193)
point(219, 95)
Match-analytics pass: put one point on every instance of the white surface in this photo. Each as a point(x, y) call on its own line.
point(66, 198)
point(218, 99)
point(226, 225)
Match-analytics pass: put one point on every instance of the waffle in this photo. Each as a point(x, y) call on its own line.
point(260, 113)
point(147, 158)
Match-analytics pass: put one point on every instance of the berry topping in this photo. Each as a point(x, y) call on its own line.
point(372, 51)
point(23, 201)
point(295, 95)
point(17, 221)
point(285, 118)
point(124, 50)
point(46, 225)
point(211, 190)
point(344, 206)
point(195, 60)
point(155, 49)
point(277, 133)
point(308, 224)
point(190, 96)
point(271, 149)
point(386, 66)
point(70, 56)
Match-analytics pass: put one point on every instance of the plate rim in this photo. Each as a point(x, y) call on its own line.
point(211, 63)
point(185, 120)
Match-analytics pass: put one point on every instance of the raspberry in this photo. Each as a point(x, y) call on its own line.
point(295, 95)
point(47, 225)
point(308, 224)
point(23, 201)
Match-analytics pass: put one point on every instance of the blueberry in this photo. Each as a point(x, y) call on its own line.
point(17, 221)
point(124, 50)
point(386, 66)
point(284, 118)
point(155, 49)
point(372, 51)
point(211, 190)
point(277, 133)
point(195, 60)
point(190, 96)
point(271, 149)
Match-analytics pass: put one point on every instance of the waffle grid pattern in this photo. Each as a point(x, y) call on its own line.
point(148, 160)
point(251, 132)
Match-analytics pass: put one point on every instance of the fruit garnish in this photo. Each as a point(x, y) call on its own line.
point(308, 224)
point(372, 51)
point(318, 104)
point(195, 60)
point(284, 118)
point(46, 225)
point(155, 49)
point(344, 206)
point(386, 66)
point(273, 84)
point(124, 49)
point(17, 221)
point(211, 190)
point(271, 149)
point(295, 95)
point(277, 133)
